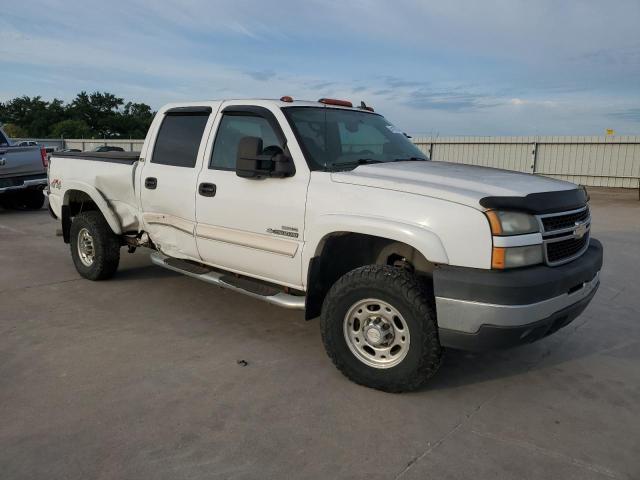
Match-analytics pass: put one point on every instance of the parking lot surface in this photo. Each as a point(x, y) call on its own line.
point(157, 375)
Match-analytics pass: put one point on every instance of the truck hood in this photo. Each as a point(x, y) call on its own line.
point(465, 184)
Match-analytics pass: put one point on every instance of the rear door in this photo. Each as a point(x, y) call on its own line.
point(250, 226)
point(168, 180)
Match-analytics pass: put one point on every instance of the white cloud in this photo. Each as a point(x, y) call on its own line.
point(458, 67)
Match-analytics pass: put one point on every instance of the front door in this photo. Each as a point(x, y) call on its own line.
point(249, 226)
point(169, 179)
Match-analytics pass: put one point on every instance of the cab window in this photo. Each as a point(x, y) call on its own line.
point(179, 140)
point(231, 130)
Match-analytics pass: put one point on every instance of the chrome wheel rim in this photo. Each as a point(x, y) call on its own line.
point(376, 333)
point(86, 249)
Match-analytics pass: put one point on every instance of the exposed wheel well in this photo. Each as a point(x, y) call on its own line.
point(342, 252)
point(75, 202)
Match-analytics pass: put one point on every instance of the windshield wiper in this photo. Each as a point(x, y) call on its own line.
point(411, 159)
point(355, 163)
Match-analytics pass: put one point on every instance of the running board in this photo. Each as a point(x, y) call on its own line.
point(252, 288)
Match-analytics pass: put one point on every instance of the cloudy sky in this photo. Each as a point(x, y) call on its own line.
point(456, 67)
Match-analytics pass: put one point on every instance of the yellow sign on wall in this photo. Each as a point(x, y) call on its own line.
point(611, 131)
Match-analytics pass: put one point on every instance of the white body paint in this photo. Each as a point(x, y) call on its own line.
point(431, 206)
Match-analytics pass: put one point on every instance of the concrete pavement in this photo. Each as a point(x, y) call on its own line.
point(142, 377)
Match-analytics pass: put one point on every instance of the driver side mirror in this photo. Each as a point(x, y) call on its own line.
point(254, 162)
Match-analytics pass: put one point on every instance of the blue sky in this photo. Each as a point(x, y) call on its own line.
point(458, 67)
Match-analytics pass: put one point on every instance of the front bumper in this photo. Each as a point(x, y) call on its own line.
point(13, 184)
point(488, 309)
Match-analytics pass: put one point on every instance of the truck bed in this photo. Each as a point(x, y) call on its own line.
point(105, 176)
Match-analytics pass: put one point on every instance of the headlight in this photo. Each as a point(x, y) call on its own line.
point(514, 257)
point(511, 223)
point(506, 223)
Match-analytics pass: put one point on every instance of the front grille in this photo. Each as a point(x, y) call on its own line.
point(563, 221)
point(565, 235)
point(558, 251)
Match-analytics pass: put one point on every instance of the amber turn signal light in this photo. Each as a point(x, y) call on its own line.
point(494, 222)
point(497, 258)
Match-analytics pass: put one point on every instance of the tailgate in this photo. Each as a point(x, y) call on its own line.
point(18, 161)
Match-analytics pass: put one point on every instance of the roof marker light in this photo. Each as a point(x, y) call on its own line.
point(333, 101)
point(286, 98)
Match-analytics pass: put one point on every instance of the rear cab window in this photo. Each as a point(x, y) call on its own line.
point(179, 139)
point(3, 140)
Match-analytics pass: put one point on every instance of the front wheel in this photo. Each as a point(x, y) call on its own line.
point(379, 327)
point(95, 249)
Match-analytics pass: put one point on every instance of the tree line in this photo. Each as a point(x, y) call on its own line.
point(88, 115)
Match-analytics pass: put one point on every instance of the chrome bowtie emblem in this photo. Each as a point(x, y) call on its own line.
point(581, 229)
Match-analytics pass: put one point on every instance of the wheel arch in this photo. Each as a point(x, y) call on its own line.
point(360, 242)
point(79, 196)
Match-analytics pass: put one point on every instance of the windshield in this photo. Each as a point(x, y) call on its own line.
point(335, 139)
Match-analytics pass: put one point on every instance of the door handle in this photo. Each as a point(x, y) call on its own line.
point(207, 189)
point(151, 183)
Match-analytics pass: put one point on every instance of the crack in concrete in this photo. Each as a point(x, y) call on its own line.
point(441, 440)
point(551, 453)
point(468, 416)
point(39, 285)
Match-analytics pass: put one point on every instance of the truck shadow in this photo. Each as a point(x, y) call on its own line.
point(461, 368)
point(22, 212)
point(143, 272)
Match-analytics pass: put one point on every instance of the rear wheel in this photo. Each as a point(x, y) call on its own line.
point(5, 201)
point(95, 249)
point(379, 327)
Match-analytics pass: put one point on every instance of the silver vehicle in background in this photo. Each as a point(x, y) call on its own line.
point(23, 174)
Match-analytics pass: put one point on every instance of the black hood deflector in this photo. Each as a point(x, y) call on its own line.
point(539, 203)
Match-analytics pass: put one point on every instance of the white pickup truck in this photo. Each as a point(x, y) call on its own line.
point(329, 208)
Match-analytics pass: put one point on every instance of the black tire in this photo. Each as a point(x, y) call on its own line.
point(5, 201)
point(10, 201)
point(106, 246)
point(31, 199)
point(405, 293)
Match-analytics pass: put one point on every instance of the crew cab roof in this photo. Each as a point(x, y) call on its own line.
point(265, 102)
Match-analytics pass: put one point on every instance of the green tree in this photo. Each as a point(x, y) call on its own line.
point(135, 120)
point(34, 115)
point(97, 114)
point(99, 111)
point(71, 129)
point(14, 131)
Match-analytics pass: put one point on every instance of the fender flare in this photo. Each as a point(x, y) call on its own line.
point(416, 236)
point(101, 202)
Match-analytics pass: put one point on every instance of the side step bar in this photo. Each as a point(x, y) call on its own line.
point(252, 288)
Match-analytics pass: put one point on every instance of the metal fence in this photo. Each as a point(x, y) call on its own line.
point(607, 161)
point(86, 144)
